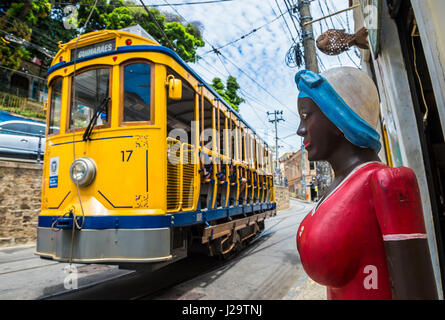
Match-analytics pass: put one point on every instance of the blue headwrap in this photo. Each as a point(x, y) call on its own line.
point(358, 131)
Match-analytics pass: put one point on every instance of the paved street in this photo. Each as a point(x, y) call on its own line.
point(269, 268)
point(24, 276)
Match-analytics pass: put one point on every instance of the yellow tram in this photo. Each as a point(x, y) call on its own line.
point(144, 161)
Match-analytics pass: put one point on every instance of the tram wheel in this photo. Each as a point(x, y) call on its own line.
point(224, 247)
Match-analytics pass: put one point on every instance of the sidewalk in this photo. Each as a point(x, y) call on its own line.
point(306, 289)
point(305, 201)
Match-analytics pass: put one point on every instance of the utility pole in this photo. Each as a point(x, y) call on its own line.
point(303, 179)
point(310, 60)
point(310, 55)
point(275, 120)
point(311, 63)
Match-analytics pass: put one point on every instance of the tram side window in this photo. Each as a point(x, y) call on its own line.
point(242, 140)
point(181, 113)
point(248, 150)
point(206, 125)
point(260, 157)
point(266, 160)
point(243, 145)
point(137, 92)
point(221, 127)
point(254, 152)
point(232, 132)
point(91, 90)
point(55, 107)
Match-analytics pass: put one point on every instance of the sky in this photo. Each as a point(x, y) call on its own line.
point(258, 61)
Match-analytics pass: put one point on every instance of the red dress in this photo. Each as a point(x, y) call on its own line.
point(341, 242)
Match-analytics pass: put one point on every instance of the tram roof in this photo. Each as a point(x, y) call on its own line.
point(160, 49)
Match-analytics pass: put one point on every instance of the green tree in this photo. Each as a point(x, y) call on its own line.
point(117, 14)
point(18, 18)
point(228, 92)
point(41, 24)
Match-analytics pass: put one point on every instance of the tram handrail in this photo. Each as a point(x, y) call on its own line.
point(183, 175)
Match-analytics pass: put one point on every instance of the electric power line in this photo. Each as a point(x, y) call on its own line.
point(34, 29)
point(245, 35)
point(292, 17)
point(157, 25)
point(258, 84)
point(333, 26)
point(287, 26)
point(242, 92)
point(219, 53)
point(153, 5)
point(281, 24)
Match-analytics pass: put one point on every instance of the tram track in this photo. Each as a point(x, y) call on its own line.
point(223, 264)
point(133, 286)
point(30, 268)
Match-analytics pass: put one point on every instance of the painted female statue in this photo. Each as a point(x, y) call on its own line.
point(366, 238)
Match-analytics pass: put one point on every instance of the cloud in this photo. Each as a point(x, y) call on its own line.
point(261, 55)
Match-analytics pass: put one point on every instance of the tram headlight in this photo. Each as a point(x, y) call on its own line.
point(83, 171)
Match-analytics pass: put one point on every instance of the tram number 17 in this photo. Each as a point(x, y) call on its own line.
point(129, 152)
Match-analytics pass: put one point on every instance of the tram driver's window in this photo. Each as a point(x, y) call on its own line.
point(137, 92)
point(90, 93)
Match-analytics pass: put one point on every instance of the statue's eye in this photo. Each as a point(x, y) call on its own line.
point(304, 116)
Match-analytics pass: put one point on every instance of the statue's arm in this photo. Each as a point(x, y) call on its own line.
point(398, 209)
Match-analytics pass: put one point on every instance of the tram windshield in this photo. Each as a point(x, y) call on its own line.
point(89, 90)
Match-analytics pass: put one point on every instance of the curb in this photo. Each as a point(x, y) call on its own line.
point(305, 201)
point(24, 246)
point(306, 289)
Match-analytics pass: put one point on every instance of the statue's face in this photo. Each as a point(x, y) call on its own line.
point(320, 135)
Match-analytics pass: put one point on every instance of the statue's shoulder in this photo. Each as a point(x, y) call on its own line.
point(387, 176)
point(397, 201)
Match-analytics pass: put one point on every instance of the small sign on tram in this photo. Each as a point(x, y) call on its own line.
point(93, 49)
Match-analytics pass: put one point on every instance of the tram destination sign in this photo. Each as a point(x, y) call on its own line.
point(93, 49)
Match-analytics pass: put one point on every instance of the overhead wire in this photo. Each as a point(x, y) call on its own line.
point(242, 92)
point(333, 26)
point(153, 5)
point(252, 79)
point(245, 35)
point(347, 27)
point(247, 102)
point(245, 94)
point(258, 84)
point(294, 56)
point(34, 29)
point(281, 23)
point(219, 55)
point(182, 17)
point(158, 26)
point(327, 26)
point(292, 17)
point(287, 26)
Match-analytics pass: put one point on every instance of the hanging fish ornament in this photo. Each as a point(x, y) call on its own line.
point(333, 42)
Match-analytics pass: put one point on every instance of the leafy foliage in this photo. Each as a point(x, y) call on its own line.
point(38, 22)
point(18, 20)
point(228, 92)
point(120, 14)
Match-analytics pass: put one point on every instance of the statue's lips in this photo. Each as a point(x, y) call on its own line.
point(307, 144)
